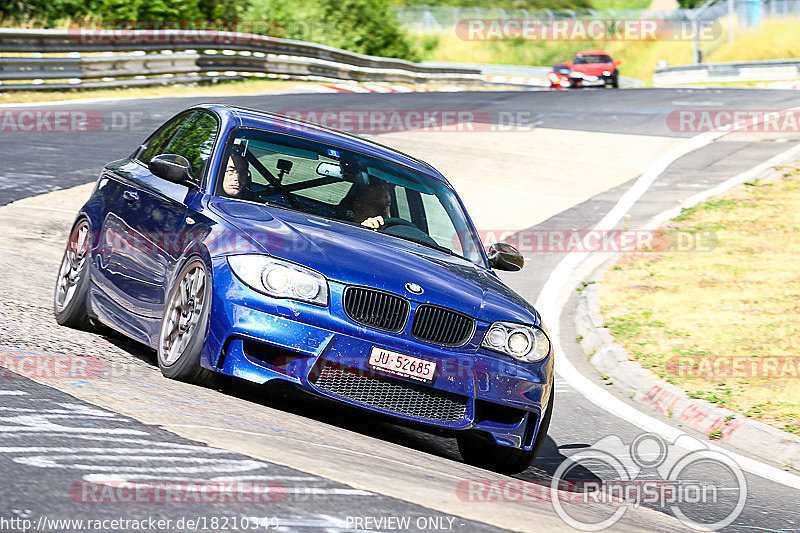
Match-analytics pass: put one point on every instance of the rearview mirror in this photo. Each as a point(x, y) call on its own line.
point(329, 169)
point(617, 63)
point(174, 168)
point(503, 256)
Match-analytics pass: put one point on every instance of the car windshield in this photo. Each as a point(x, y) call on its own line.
point(598, 58)
point(328, 181)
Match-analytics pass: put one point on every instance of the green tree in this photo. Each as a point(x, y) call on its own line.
point(148, 10)
point(227, 10)
point(366, 27)
point(43, 10)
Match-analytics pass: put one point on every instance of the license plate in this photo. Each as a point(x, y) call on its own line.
point(402, 365)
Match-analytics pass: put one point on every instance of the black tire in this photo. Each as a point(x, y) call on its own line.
point(615, 82)
point(72, 285)
point(182, 361)
point(480, 450)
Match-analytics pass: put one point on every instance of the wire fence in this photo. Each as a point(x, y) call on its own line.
point(749, 14)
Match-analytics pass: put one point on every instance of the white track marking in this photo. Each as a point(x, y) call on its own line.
point(563, 278)
point(43, 208)
point(194, 465)
point(264, 478)
point(70, 450)
point(326, 446)
point(12, 393)
point(318, 491)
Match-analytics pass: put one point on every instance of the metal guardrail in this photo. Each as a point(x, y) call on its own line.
point(490, 70)
point(767, 70)
point(120, 58)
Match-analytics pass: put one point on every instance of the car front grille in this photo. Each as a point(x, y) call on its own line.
point(376, 309)
point(442, 326)
point(391, 395)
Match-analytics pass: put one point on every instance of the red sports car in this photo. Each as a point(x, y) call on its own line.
point(591, 67)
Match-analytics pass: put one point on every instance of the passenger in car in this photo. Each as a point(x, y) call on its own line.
point(236, 181)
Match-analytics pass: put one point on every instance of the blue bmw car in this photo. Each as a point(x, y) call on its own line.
point(241, 243)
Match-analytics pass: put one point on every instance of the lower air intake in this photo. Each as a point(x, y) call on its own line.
point(392, 395)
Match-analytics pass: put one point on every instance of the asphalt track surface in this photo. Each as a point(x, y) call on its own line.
point(41, 428)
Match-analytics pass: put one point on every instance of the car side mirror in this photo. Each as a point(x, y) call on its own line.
point(617, 63)
point(174, 168)
point(503, 256)
point(568, 65)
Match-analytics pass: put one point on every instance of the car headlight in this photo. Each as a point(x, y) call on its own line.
point(280, 279)
point(574, 74)
point(606, 73)
point(526, 344)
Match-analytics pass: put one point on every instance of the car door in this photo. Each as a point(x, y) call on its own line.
point(153, 212)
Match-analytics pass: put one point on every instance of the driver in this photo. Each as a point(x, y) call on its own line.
point(371, 205)
point(236, 180)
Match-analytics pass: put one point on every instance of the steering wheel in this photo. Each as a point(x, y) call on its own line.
point(395, 221)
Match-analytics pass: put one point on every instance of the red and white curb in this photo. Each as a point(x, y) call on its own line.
point(353, 88)
point(518, 80)
point(789, 84)
point(373, 88)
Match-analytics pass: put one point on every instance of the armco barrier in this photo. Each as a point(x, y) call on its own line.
point(116, 58)
point(768, 70)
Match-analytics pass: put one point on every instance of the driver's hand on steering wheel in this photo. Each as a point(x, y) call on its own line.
point(373, 222)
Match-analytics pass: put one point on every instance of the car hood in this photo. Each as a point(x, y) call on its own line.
point(593, 69)
point(353, 255)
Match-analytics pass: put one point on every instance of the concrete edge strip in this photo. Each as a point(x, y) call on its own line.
point(658, 395)
point(566, 275)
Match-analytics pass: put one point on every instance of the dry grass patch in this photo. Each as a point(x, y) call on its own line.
point(233, 88)
point(721, 323)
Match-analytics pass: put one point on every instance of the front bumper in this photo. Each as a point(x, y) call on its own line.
point(254, 337)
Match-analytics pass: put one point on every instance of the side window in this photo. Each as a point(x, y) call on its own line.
point(195, 140)
point(159, 141)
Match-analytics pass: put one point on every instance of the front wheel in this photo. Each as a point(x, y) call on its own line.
point(72, 285)
point(183, 327)
point(481, 451)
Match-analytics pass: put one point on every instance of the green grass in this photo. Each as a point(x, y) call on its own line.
point(774, 39)
point(614, 5)
point(707, 319)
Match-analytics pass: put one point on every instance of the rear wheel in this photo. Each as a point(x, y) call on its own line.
point(183, 327)
point(482, 451)
point(72, 285)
